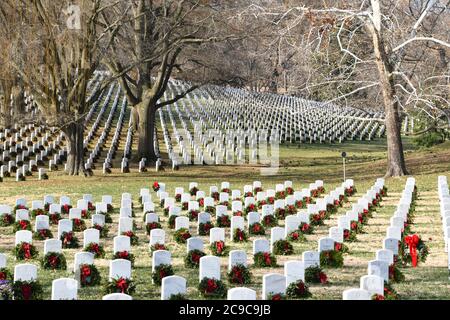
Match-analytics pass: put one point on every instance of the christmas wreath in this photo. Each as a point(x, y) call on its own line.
point(296, 236)
point(349, 235)
point(280, 195)
point(331, 259)
point(178, 197)
point(395, 274)
point(316, 220)
point(155, 186)
point(306, 228)
point(120, 285)
point(331, 209)
point(215, 196)
point(171, 221)
point(250, 208)
point(161, 271)
point(289, 190)
point(389, 293)
point(223, 221)
point(27, 290)
point(37, 212)
point(212, 288)
point(22, 225)
point(66, 208)
point(300, 204)
point(108, 218)
point(238, 214)
point(211, 210)
point(5, 274)
point(20, 207)
point(298, 290)
point(102, 229)
point(25, 251)
point(226, 204)
point(418, 250)
point(157, 246)
point(193, 215)
point(239, 235)
point(78, 225)
point(314, 274)
point(239, 274)
point(226, 190)
point(256, 229)
point(85, 214)
point(340, 247)
point(54, 261)
point(280, 213)
point(276, 296)
point(184, 205)
point(69, 241)
point(96, 249)
point(124, 255)
point(350, 191)
point(193, 191)
point(283, 247)
point(218, 248)
point(133, 237)
point(269, 221)
point(6, 220)
point(201, 202)
point(152, 225)
point(290, 210)
point(264, 260)
point(203, 228)
point(257, 189)
point(192, 259)
point(260, 203)
point(271, 200)
point(181, 235)
point(54, 218)
point(42, 234)
point(357, 227)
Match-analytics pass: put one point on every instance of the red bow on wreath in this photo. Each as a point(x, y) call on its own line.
point(412, 241)
point(26, 249)
point(219, 246)
point(267, 258)
point(122, 285)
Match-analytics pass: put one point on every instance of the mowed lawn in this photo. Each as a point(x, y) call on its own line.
point(301, 164)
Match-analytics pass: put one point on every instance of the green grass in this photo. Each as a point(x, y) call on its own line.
point(302, 165)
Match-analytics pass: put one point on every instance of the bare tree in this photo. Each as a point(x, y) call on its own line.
point(379, 67)
point(149, 50)
point(57, 48)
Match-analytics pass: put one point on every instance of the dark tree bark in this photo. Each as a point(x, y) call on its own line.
point(395, 157)
point(146, 113)
point(75, 152)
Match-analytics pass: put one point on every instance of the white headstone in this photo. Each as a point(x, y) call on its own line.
point(209, 267)
point(273, 283)
point(65, 289)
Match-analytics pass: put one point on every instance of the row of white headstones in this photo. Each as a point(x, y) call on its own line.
point(40, 154)
point(444, 201)
point(378, 269)
point(121, 243)
point(294, 270)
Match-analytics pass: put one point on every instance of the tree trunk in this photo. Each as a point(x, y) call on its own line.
point(395, 157)
point(145, 130)
point(75, 152)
